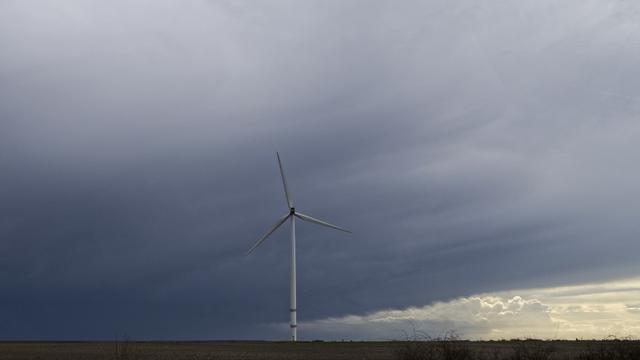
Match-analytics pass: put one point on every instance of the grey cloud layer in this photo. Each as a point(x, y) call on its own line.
point(472, 147)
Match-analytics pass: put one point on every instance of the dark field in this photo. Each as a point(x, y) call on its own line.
point(432, 350)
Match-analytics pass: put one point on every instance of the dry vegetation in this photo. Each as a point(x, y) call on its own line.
point(449, 347)
point(444, 348)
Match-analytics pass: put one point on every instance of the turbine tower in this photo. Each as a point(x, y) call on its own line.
point(292, 214)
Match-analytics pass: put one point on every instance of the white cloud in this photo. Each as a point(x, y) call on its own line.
point(580, 311)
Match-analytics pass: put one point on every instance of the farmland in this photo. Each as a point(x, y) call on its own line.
point(492, 350)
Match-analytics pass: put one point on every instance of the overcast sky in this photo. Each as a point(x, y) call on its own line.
point(473, 147)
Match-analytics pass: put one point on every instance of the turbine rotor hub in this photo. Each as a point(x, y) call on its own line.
point(292, 210)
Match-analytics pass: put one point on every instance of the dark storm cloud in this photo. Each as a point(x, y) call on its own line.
point(474, 146)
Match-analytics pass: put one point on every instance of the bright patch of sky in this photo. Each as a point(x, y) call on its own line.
point(597, 310)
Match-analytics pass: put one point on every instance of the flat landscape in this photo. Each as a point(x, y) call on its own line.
point(525, 350)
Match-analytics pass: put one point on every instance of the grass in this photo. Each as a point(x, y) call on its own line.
point(442, 348)
point(451, 348)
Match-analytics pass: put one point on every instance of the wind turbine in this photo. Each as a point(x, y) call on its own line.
point(292, 214)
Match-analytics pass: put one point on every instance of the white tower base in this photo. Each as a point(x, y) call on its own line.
point(294, 322)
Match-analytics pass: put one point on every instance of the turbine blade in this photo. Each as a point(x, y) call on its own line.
point(319, 222)
point(284, 183)
point(269, 232)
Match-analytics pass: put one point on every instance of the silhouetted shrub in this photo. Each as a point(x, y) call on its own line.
point(447, 347)
point(126, 349)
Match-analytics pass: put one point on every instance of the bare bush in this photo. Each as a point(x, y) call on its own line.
point(423, 347)
point(126, 349)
